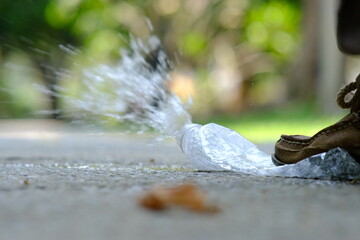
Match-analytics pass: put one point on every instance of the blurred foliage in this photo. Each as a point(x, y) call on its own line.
point(231, 55)
point(273, 27)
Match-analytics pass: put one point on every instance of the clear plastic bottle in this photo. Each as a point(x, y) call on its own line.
point(214, 147)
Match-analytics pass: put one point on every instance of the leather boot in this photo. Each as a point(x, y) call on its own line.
point(345, 134)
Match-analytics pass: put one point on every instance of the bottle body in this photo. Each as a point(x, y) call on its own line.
point(213, 147)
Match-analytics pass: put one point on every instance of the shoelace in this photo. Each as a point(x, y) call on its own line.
point(354, 102)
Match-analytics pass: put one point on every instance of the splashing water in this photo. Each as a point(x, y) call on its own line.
point(136, 90)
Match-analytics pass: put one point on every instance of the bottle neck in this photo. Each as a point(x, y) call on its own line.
point(183, 135)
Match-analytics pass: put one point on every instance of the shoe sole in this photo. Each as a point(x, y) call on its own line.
point(276, 161)
point(354, 153)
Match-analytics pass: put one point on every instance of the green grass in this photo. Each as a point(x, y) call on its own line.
point(268, 125)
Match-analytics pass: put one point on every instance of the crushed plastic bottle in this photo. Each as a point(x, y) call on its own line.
point(213, 147)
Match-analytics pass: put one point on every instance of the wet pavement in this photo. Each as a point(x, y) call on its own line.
point(58, 182)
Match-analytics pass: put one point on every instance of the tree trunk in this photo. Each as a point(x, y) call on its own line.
point(48, 66)
point(331, 68)
point(303, 78)
point(319, 73)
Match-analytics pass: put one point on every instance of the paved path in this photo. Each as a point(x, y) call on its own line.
point(66, 184)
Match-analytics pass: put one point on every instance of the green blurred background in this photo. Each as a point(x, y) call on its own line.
point(261, 67)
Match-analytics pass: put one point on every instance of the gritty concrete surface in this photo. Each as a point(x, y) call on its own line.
point(58, 183)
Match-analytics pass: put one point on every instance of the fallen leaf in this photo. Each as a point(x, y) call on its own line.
point(187, 196)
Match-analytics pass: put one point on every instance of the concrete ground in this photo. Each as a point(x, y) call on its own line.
point(62, 183)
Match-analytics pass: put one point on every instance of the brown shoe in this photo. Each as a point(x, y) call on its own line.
point(344, 134)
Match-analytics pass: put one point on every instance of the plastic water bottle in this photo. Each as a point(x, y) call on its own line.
point(214, 147)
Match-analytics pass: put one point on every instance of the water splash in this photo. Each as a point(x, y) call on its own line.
point(133, 90)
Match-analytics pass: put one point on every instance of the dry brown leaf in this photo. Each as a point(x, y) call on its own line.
point(187, 196)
